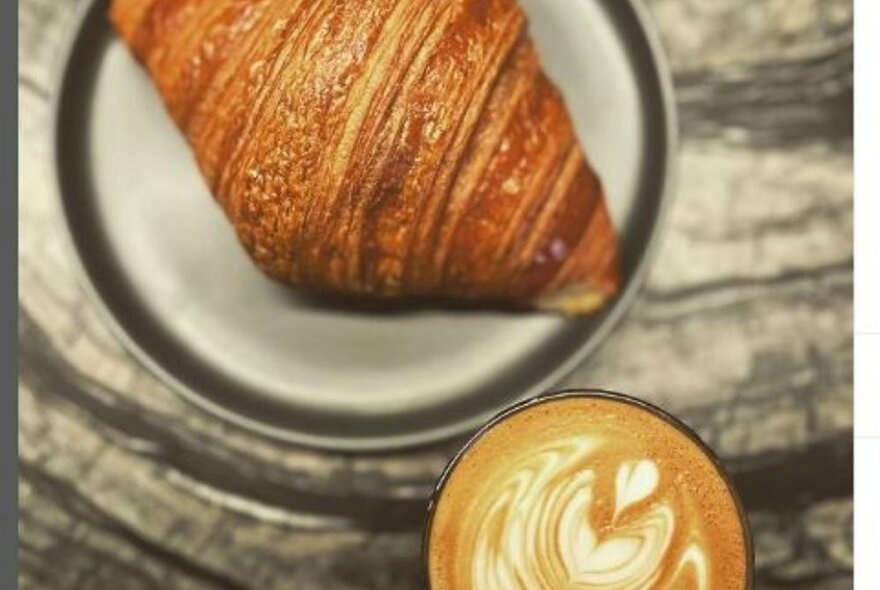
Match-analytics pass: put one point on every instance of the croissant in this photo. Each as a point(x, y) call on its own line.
point(387, 148)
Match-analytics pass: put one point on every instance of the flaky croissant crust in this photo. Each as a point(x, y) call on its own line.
point(384, 147)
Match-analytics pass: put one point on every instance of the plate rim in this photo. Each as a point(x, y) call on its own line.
point(373, 445)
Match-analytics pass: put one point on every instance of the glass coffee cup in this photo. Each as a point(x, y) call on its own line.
point(586, 489)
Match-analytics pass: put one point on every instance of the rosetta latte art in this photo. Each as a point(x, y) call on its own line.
point(538, 534)
point(586, 492)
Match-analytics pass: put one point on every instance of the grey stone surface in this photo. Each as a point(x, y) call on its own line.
point(744, 329)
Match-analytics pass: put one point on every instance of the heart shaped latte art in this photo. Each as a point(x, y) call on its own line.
point(540, 531)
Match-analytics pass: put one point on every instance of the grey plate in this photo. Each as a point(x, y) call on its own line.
point(159, 256)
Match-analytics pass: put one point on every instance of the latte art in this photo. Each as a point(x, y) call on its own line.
point(542, 510)
point(584, 499)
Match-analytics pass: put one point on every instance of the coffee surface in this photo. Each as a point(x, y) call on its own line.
point(586, 493)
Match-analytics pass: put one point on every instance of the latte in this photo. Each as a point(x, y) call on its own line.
point(586, 491)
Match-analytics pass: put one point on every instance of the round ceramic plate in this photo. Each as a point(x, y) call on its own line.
point(161, 259)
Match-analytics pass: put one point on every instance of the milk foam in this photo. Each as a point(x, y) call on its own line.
point(560, 501)
point(541, 514)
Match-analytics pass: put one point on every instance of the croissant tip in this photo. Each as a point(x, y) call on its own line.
point(577, 301)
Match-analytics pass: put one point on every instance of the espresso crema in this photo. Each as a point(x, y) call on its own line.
point(586, 492)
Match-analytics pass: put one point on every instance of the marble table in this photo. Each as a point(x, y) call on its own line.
point(744, 329)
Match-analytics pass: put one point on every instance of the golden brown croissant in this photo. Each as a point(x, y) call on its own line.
point(392, 148)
